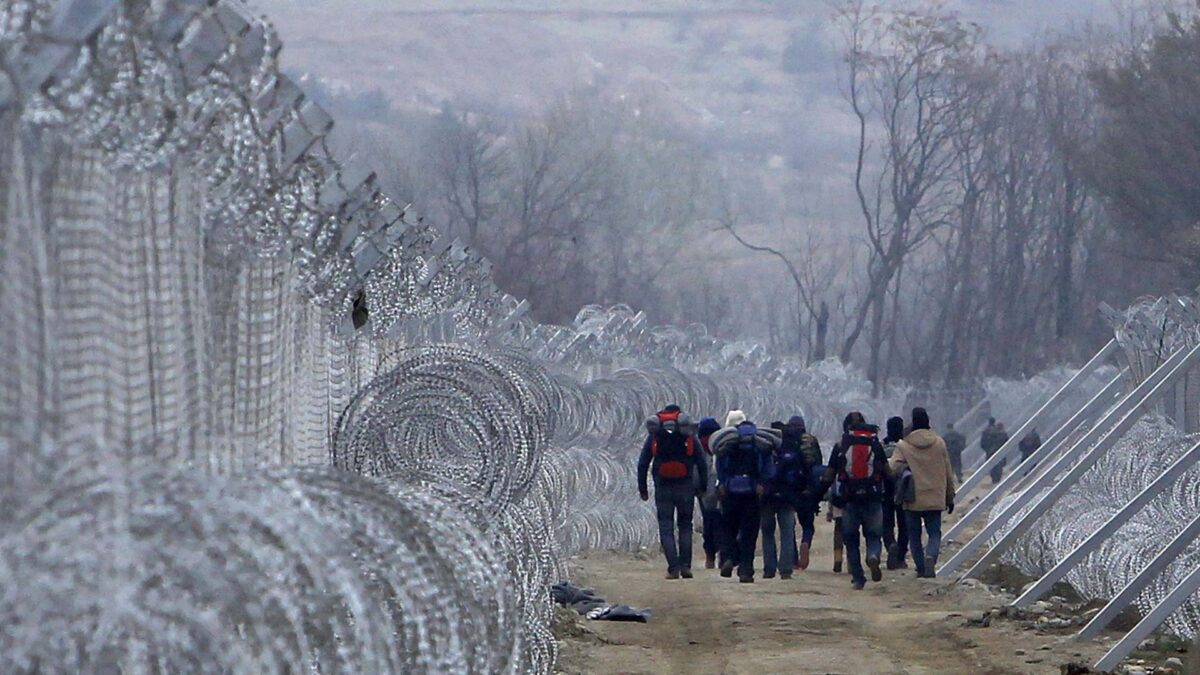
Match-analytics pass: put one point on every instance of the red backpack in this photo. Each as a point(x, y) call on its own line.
point(672, 450)
point(858, 477)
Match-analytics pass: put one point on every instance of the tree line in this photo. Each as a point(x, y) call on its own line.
point(998, 196)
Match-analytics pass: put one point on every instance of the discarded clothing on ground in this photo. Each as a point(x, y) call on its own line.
point(585, 602)
point(568, 594)
point(619, 613)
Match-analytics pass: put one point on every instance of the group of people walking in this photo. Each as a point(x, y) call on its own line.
point(753, 481)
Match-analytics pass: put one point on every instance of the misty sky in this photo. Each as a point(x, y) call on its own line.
point(715, 67)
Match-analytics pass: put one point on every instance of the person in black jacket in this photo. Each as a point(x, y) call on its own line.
point(857, 471)
point(679, 465)
point(994, 437)
point(956, 444)
point(895, 532)
point(1030, 444)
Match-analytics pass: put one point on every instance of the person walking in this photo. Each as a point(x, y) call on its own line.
point(1030, 444)
point(956, 445)
point(783, 495)
point(677, 460)
point(994, 437)
point(710, 506)
point(744, 467)
point(857, 470)
point(895, 530)
point(926, 488)
point(794, 436)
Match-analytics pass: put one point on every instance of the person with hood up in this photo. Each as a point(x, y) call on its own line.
point(744, 467)
point(710, 506)
point(782, 496)
point(994, 437)
point(956, 445)
point(1030, 444)
point(797, 443)
point(678, 463)
point(857, 471)
point(895, 532)
point(926, 488)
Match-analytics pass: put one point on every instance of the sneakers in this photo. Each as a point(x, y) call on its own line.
point(686, 573)
point(837, 566)
point(727, 569)
point(873, 563)
point(802, 560)
point(672, 575)
point(710, 562)
point(785, 575)
point(768, 575)
point(858, 585)
point(745, 580)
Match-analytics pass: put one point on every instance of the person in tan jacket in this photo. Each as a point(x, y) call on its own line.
point(923, 455)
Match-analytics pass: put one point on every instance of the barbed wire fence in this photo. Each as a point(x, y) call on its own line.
point(231, 440)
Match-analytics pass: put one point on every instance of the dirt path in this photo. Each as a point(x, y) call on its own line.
point(813, 623)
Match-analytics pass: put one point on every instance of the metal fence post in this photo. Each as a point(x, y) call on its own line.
point(1152, 620)
point(1129, 411)
point(1128, 403)
point(1015, 439)
point(1164, 481)
point(1139, 583)
point(1049, 449)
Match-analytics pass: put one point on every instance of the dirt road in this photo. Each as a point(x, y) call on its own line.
point(814, 623)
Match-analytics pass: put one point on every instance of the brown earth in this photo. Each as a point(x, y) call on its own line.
point(814, 623)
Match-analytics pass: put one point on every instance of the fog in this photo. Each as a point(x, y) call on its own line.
point(690, 123)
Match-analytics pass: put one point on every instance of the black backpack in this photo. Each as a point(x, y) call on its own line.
point(672, 449)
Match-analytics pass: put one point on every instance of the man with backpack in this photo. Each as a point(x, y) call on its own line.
point(927, 489)
point(744, 468)
point(710, 506)
point(781, 497)
point(677, 460)
point(994, 437)
point(895, 532)
point(956, 445)
point(857, 470)
point(798, 468)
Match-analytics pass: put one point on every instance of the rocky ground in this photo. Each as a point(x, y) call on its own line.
point(815, 623)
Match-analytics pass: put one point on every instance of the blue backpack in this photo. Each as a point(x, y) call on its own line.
point(743, 461)
point(791, 474)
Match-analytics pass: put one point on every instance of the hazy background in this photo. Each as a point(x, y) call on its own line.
point(673, 122)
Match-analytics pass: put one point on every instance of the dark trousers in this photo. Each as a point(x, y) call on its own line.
point(956, 465)
point(675, 504)
point(933, 526)
point(741, 516)
point(784, 556)
point(867, 517)
point(895, 530)
point(997, 472)
point(806, 514)
point(713, 530)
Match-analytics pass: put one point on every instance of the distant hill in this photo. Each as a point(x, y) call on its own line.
point(755, 81)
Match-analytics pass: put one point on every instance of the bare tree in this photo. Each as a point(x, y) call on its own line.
point(902, 86)
point(468, 164)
